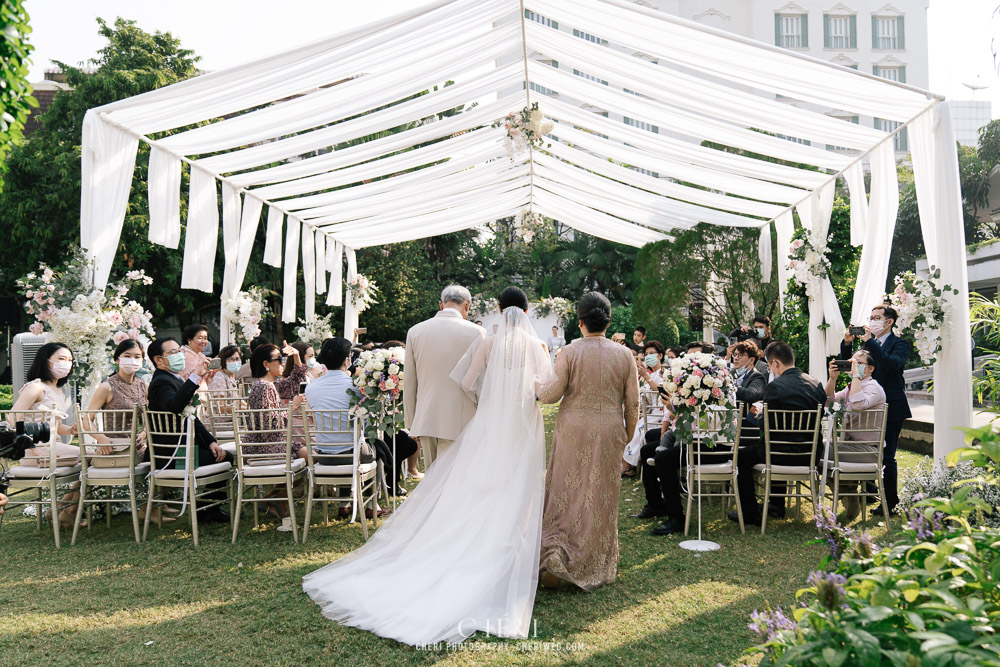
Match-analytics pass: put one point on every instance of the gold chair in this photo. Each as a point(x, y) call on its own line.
point(173, 453)
point(259, 470)
point(47, 474)
point(795, 433)
point(117, 468)
point(337, 427)
point(217, 414)
point(862, 462)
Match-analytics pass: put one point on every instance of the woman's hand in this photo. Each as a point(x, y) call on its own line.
point(104, 451)
point(833, 370)
point(290, 351)
point(297, 401)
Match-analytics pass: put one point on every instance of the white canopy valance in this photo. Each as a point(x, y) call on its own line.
point(278, 122)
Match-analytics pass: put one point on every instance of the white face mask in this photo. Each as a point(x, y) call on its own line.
point(129, 364)
point(875, 326)
point(61, 369)
point(311, 363)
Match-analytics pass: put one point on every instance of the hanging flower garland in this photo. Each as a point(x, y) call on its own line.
point(91, 321)
point(923, 311)
point(315, 331)
point(523, 129)
point(362, 292)
point(245, 310)
point(555, 305)
point(483, 305)
point(528, 224)
point(807, 261)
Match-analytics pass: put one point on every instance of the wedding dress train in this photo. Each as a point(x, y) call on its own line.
point(461, 552)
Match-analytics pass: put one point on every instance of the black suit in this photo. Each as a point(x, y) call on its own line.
point(168, 393)
point(792, 390)
point(890, 360)
point(750, 389)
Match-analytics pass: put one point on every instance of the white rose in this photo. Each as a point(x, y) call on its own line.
point(684, 391)
point(390, 383)
point(671, 387)
point(708, 381)
point(393, 369)
point(705, 362)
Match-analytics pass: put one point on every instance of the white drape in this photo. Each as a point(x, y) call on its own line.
point(202, 233)
point(309, 271)
point(880, 214)
point(164, 198)
point(939, 199)
point(335, 264)
point(351, 314)
point(288, 305)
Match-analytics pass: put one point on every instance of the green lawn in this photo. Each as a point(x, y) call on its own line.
point(108, 600)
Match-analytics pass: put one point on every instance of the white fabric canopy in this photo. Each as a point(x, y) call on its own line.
point(275, 133)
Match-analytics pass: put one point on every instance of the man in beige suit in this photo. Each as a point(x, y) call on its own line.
point(437, 409)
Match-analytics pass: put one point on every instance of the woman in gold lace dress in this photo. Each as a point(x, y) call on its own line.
point(597, 382)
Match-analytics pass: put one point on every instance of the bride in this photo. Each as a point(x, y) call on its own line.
point(461, 553)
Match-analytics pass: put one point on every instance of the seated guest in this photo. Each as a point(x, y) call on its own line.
point(232, 363)
point(195, 338)
point(791, 390)
point(307, 354)
point(265, 394)
point(750, 383)
point(332, 392)
point(863, 393)
point(650, 366)
point(700, 346)
point(244, 372)
point(674, 352)
point(121, 391)
point(169, 393)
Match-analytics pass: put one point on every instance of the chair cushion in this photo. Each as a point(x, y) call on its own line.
point(229, 446)
point(31, 472)
point(847, 466)
point(273, 470)
point(116, 473)
point(785, 470)
point(713, 468)
point(224, 435)
point(363, 468)
point(203, 471)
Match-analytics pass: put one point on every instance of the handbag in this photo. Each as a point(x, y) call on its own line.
point(38, 457)
point(341, 455)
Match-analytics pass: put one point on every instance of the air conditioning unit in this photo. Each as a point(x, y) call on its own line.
point(25, 348)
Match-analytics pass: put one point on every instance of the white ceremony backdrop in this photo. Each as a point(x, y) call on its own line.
point(277, 119)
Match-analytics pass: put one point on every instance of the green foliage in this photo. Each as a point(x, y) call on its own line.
point(16, 100)
point(984, 316)
point(930, 598)
point(725, 259)
point(6, 397)
point(793, 324)
point(586, 263)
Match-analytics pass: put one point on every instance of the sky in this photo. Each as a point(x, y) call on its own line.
point(229, 32)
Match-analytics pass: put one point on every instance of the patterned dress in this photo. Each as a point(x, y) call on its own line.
point(268, 396)
point(598, 384)
point(124, 395)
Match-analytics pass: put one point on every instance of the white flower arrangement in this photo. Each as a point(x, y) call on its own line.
point(362, 291)
point(245, 310)
point(808, 263)
point(528, 224)
point(315, 331)
point(694, 383)
point(923, 311)
point(523, 129)
point(91, 321)
point(483, 305)
point(555, 305)
point(378, 376)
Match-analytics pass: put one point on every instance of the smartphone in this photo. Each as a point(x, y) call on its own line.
point(362, 330)
point(662, 391)
point(215, 364)
point(842, 364)
point(856, 331)
point(302, 387)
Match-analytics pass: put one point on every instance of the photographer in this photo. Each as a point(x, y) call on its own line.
point(890, 354)
point(759, 332)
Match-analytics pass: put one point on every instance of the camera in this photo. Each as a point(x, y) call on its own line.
point(14, 442)
point(842, 365)
point(856, 331)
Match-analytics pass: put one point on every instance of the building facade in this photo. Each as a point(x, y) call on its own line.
point(969, 116)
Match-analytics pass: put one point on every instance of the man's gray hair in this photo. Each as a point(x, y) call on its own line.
point(456, 294)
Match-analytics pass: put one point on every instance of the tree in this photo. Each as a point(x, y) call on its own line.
point(16, 100)
point(586, 263)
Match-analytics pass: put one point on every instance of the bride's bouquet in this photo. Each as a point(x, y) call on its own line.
point(378, 376)
point(696, 383)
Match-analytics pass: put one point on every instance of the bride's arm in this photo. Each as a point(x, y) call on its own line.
point(554, 390)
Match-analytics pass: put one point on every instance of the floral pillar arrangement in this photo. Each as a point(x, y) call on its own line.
point(245, 310)
point(923, 311)
point(315, 331)
point(555, 305)
point(362, 292)
point(378, 377)
point(808, 263)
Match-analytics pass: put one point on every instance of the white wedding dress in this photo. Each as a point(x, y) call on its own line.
point(461, 552)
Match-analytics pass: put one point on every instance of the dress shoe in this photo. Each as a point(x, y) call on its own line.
point(747, 519)
point(398, 491)
point(649, 512)
point(773, 511)
point(876, 510)
point(213, 515)
point(669, 527)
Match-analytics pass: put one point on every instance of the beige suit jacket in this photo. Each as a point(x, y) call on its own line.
point(435, 404)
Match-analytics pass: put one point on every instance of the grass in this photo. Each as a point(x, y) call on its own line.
point(110, 601)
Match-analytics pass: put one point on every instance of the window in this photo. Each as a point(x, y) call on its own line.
point(791, 31)
point(538, 18)
point(641, 125)
point(589, 77)
point(840, 32)
point(590, 38)
point(899, 141)
point(542, 90)
point(647, 172)
point(890, 73)
point(887, 33)
point(804, 142)
point(849, 119)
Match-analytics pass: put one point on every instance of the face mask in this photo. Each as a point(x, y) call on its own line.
point(234, 366)
point(311, 363)
point(861, 371)
point(129, 365)
point(761, 332)
point(740, 372)
point(61, 369)
point(651, 360)
point(875, 326)
point(176, 361)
